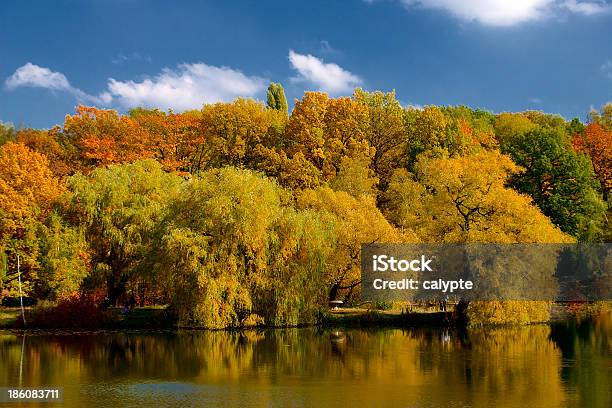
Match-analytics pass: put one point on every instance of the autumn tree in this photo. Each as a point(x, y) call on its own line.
point(233, 249)
point(119, 208)
point(7, 132)
point(28, 190)
point(325, 130)
point(174, 139)
point(470, 129)
point(305, 130)
point(346, 125)
point(356, 221)
point(102, 137)
point(465, 199)
point(560, 181)
point(355, 177)
point(603, 117)
point(386, 133)
point(232, 131)
point(427, 131)
point(52, 144)
point(595, 141)
point(511, 125)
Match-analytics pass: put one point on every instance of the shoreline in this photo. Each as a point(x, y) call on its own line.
point(157, 319)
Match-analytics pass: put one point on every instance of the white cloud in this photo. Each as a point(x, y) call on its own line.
point(324, 76)
point(606, 68)
point(187, 87)
point(587, 8)
point(34, 76)
point(510, 12)
point(39, 77)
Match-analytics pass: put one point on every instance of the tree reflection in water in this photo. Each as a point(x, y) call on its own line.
point(565, 364)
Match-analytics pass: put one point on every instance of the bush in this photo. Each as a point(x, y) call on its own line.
point(512, 312)
point(77, 311)
point(383, 305)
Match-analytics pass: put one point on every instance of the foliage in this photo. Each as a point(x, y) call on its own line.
point(596, 141)
point(239, 213)
point(465, 199)
point(28, 189)
point(102, 137)
point(277, 99)
point(233, 246)
point(603, 117)
point(560, 181)
point(386, 133)
point(7, 132)
point(119, 207)
point(65, 259)
point(508, 312)
point(356, 221)
point(175, 140)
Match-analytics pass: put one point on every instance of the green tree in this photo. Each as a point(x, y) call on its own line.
point(7, 132)
point(276, 98)
point(233, 248)
point(64, 259)
point(560, 181)
point(119, 208)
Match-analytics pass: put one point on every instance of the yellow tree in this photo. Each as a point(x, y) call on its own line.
point(386, 133)
point(305, 127)
point(465, 200)
point(28, 189)
point(232, 131)
point(427, 130)
point(346, 125)
point(356, 221)
point(509, 125)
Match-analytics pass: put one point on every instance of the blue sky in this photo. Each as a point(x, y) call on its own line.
point(551, 55)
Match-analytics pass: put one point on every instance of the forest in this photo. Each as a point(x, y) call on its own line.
point(246, 213)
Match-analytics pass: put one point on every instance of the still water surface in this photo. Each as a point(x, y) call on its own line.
point(564, 364)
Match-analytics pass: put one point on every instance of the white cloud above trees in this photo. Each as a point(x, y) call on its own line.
point(34, 76)
point(323, 76)
point(186, 87)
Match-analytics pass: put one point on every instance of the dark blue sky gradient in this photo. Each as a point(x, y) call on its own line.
point(428, 56)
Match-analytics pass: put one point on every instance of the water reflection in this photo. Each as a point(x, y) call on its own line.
point(566, 364)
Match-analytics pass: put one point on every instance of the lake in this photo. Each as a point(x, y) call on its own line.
point(557, 365)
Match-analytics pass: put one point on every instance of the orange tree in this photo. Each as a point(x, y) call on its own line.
point(28, 189)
